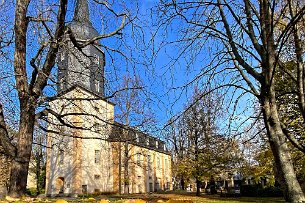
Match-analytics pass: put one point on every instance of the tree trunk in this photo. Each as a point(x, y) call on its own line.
point(277, 139)
point(38, 163)
point(20, 164)
point(291, 187)
point(182, 184)
point(18, 178)
point(126, 168)
point(38, 170)
point(120, 167)
point(198, 186)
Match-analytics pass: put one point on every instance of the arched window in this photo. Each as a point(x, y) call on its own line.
point(97, 85)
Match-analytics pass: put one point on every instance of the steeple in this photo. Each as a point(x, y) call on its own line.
point(83, 68)
point(81, 12)
point(81, 24)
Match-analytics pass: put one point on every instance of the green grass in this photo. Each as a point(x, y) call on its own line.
point(153, 198)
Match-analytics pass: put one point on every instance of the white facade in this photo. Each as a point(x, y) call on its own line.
point(72, 163)
point(84, 159)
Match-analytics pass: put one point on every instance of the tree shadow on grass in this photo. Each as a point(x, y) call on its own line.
point(154, 197)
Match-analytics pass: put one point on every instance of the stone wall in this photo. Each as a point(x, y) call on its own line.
point(4, 174)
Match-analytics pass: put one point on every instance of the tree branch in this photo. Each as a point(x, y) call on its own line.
point(5, 142)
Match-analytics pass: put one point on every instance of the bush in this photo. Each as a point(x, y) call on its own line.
point(257, 191)
point(97, 193)
point(31, 192)
point(270, 192)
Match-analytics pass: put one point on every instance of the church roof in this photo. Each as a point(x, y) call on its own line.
point(81, 12)
point(136, 137)
point(81, 25)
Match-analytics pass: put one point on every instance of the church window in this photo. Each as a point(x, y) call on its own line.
point(167, 185)
point(137, 137)
point(96, 127)
point(96, 59)
point(97, 85)
point(62, 56)
point(84, 189)
point(159, 162)
point(138, 158)
point(97, 191)
point(149, 158)
point(140, 188)
point(147, 141)
point(149, 161)
point(61, 157)
point(96, 177)
point(157, 186)
point(97, 158)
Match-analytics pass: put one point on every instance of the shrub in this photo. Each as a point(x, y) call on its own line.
point(31, 192)
point(257, 191)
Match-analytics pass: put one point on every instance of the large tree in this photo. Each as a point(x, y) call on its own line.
point(242, 44)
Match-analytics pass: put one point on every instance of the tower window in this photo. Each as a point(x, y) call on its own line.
point(138, 158)
point(149, 158)
point(97, 158)
point(147, 141)
point(137, 137)
point(96, 60)
point(97, 85)
point(149, 161)
point(61, 157)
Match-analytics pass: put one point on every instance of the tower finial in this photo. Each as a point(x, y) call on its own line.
point(81, 12)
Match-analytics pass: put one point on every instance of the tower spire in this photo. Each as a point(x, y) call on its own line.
point(81, 12)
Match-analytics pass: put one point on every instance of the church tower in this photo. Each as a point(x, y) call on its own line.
point(83, 67)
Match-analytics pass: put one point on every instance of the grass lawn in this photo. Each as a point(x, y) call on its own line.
point(154, 198)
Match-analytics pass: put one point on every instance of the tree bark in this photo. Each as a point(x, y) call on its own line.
point(20, 164)
point(277, 140)
point(291, 187)
point(182, 184)
point(198, 186)
point(126, 168)
point(28, 96)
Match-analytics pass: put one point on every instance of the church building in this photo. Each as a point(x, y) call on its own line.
point(88, 151)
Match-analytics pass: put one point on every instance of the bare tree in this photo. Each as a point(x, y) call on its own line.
point(200, 150)
point(243, 51)
point(134, 113)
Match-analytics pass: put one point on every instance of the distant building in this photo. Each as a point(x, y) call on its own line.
point(97, 154)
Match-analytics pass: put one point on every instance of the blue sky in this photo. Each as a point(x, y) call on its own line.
point(162, 79)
